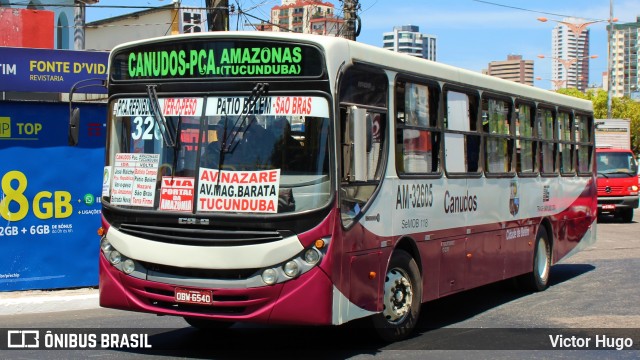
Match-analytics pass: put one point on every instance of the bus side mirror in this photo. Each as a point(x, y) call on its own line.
point(74, 114)
point(74, 126)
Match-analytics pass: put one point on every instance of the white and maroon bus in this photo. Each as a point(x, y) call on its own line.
point(286, 178)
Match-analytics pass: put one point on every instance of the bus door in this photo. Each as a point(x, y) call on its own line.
point(362, 126)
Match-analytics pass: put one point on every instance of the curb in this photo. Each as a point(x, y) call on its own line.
point(35, 302)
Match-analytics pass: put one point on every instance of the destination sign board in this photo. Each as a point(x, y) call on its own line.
point(216, 58)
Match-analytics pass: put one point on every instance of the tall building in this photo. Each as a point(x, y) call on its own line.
point(514, 69)
point(570, 55)
point(625, 51)
point(407, 39)
point(304, 16)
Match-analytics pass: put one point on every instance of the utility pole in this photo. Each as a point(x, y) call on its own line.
point(79, 16)
point(218, 15)
point(349, 8)
point(609, 58)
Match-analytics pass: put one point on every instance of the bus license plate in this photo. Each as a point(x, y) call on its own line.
point(609, 207)
point(191, 296)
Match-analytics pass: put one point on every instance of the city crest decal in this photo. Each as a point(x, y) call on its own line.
point(514, 200)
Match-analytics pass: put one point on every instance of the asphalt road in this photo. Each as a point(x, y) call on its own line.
point(595, 292)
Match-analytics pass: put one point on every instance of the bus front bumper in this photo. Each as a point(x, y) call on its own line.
point(609, 204)
point(306, 300)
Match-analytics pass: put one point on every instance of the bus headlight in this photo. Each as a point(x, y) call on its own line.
point(115, 257)
point(311, 256)
point(269, 276)
point(303, 262)
point(291, 269)
point(119, 261)
point(105, 245)
point(128, 266)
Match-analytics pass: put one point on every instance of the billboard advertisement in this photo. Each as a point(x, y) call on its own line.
point(45, 70)
point(49, 196)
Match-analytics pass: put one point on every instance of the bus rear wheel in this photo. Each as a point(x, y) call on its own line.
point(402, 298)
point(208, 325)
point(538, 279)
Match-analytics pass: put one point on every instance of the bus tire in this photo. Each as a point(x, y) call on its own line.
point(402, 298)
point(538, 279)
point(208, 325)
point(627, 215)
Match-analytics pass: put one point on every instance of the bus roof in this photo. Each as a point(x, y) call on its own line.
point(376, 56)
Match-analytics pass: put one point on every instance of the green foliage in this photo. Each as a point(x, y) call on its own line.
point(621, 108)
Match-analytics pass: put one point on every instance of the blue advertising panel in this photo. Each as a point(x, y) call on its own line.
point(49, 196)
point(45, 70)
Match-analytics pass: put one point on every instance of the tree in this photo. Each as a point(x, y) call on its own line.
point(621, 108)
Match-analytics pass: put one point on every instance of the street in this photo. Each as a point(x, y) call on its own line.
point(594, 292)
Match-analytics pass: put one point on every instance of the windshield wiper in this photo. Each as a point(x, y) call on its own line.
point(249, 106)
point(228, 145)
point(168, 131)
point(623, 172)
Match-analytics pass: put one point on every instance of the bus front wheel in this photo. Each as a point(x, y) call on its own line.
point(402, 298)
point(627, 215)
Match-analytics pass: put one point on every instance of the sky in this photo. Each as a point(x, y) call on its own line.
point(470, 33)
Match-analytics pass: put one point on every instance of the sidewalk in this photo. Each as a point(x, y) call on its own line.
point(42, 301)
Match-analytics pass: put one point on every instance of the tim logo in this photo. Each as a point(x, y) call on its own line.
point(22, 339)
point(5, 127)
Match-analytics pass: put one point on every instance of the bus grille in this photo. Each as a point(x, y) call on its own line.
point(614, 189)
point(217, 299)
point(190, 273)
point(200, 236)
point(199, 309)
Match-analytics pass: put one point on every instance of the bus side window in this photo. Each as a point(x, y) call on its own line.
point(363, 119)
point(546, 126)
point(565, 124)
point(417, 135)
point(496, 123)
point(462, 139)
point(584, 148)
point(526, 144)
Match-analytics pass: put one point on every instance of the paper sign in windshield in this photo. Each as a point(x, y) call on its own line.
point(176, 193)
point(134, 179)
point(238, 191)
point(169, 107)
point(269, 105)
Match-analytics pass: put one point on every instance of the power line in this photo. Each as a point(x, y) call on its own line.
point(532, 11)
point(134, 7)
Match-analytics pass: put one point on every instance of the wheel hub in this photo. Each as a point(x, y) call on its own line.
point(398, 296)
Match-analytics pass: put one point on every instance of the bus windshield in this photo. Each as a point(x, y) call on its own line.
point(209, 155)
point(612, 162)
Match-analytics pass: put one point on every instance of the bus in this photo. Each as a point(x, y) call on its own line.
point(309, 180)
